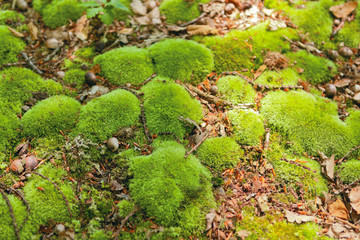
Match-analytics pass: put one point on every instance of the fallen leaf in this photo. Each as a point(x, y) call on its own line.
point(154, 15)
point(144, 20)
point(175, 28)
point(329, 166)
point(210, 219)
point(16, 33)
point(201, 30)
point(243, 234)
point(138, 7)
point(33, 31)
point(342, 83)
point(357, 97)
point(256, 185)
point(260, 71)
point(81, 30)
point(126, 31)
point(343, 10)
point(298, 218)
point(354, 197)
point(338, 209)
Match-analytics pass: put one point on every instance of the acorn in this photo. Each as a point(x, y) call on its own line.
point(113, 144)
point(52, 43)
point(16, 166)
point(21, 4)
point(90, 78)
point(346, 52)
point(30, 162)
point(330, 90)
point(214, 89)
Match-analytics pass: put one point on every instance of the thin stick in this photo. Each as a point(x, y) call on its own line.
point(298, 164)
point(197, 145)
point(32, 65)
point(354, 149)
point(11, 213)
point(209, 97)
point(56, 186)
point(123, 222)
point(148, 80)
point(21, 195)
point(193, 21)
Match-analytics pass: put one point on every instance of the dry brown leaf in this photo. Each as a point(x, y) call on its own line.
point(338, 209)
point(260, 71)
point(154, 15)
point(343, 10)
point(138, 7)
point(342, 82)
point(357, 97)
point(354, 197)
point(243, 234)
point(33, 31)
point(16, 33)
point(144, 20)
point(175, 28)
point(95, 69)
point(201, 30)
point(298, 218)
point(329, 166)
point(81, 30)
point(210, 217)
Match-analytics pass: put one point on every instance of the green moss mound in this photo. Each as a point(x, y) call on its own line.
point(9, 16)
point(180, 10)
point(164, 103)
point(220, 153)
point(173, 189)
point(9, 125)
point(10, 46)
point(75, 78)
point(316, 69)
point(310, 122)
point(50, 116)
point(125, 65)
point(105, 115)
point(354, 122)
point(350, 33)
point(248, 126)
point(286, 77)
point(349, 171)
point(236, 89)
point(86, 53)
point(240, 50)
point(182, 59)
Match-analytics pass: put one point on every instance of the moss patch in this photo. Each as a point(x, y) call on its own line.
point(75, 78)
point(125, 65)
point(182, 59)
point(236, 89)
point(9, 16)
point(350, 171)
point(286, 77)
point(10, 46)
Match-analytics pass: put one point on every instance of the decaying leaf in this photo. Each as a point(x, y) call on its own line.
point(81, 30)
point(143, 20)
point(210, 217)
point(33, 31)
point(298, 218)
point(16, 33)
point(138, 7)
point(338, 209)
point(329, 166)
point(126, 31)
point(357, 97)
point(343, 10)
point(154, 15)
point(201, 30)
point(260, 71)
point(175, 28)
point(354, 197)
point(243, 234)
point(342, 82)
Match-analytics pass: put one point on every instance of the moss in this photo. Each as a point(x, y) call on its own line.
point(350, 33)
point(310, 122)
point(164, 103)
point(316, 69)
point(182, 59)
point(105, 115)
point(180, 10)
point(349, 171)
point(9, 16)
point(240, 50)
point(125, 65)
point(236, 90)
point(86, 53)
point(248, 126)
point(10, 46)
point(9, 123)
point(166, 182)
point(220, 153)
point(39, 5)
point(75, 78)
point(58, 13)
point(120, 14)
point(286, 77)
point(125, 207)
point(50, 116)
point(354, 122)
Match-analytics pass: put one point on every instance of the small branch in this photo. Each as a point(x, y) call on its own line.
point(123, 222)
point(31, 64)
point(267, 139)
point(209, 97)
point(342, 159)
point(238, 74)
point(51, 55)
point(193, 21)
point(147, 80)
point(56, 186)
point(21, 195)
point(298, 164)
point(303, 46)
point(197, 145)
point(11, 213)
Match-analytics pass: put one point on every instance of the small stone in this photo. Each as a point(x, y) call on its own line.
point(346, 52)
point(337, 21)
point(90, 78)
point(214, 89)
point(355, 88)
point(330, 90)
point(59, 229)
point(16, 166)
point(229, 7)
point(52, 43)
point(113, 144)
point(21, 4)
point(60, 74)
point(30, 162)
point(332, 54)
point(25, 108)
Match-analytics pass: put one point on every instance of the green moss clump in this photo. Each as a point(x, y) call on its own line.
point(86, 53)
point(164, 103)
point(125, 65)
point(180, 10)
point(316, 69)
point(9, 123)
point(286, 77)
point(248, 126)
point(240, 50)
point(354, 122)
point(10, 46)
point(39, 5)
point(7, 16)
point(349, 171)
point(310, 122)
point(166, 184)
point(236, 89)
point(50, 116)
point(121, 14)
point(220, 153)
point(182, 59)
point(350, 33)
point(105, 115)
point(75, 77)
point(58, 13)
point(125, 207)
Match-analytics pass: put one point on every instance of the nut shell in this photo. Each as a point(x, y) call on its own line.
point(31, 162)
point(113, 144)
point(330, 90)
point(16, 166)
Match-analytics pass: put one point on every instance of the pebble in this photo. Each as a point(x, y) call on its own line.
point(229, 7)
point(25, 108)
point(90, 78)
point(52, 43)
point(30, 162)
point(214, 89)
point(346, 52)
point(355, 88)
point(21, 4)
point(330, 90)
point(332, 54)
point(16, 166)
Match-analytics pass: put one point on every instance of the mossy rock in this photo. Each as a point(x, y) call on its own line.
point(125, 65)
point(236, 89)
point(180, 10)
point(164, 103)
point(181, 59)
point(285, 77)
point(310, 122)
point(316, 69)
point(248, 126)
point(220, 153)
point(10, 16)
point(349, 171)
point(50, 116)
point(10, 46)
point(75, 78)
point(105, 115)
point(166, 185)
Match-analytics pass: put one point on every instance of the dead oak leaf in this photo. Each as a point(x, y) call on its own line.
point(343, 10)
point(354, 197)
point(33, 30)
point(201, 30)
point(81, 29)
point(338, 209)
point(298, 218)
point(210, 217)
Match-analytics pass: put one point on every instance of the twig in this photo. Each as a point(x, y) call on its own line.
point(298, 164)
point(209, 97)
point(187, 89)
point(51, 55)
point(11, 213)
point(348, 223)
point(239, 74)
point(267, 139)
point(147, 80)
point(21, 195)
point(197, 145)
point(303, 46)
point(13, 64)
point(32, 65)
point(193, 21)
point(342, 159)
point(56, 186)
point(123, 222)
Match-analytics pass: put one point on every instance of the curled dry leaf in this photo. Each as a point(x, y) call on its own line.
point(16, 33)
point(201, 30)
point(329, 166)
point(33, 30)
point(343, 10)
point(342, 82)
point(338, 209)
point(298, 218)
point(138, 7)
point(81, 30)
point(354, 197)
point(154, 15)
point(210, 217)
